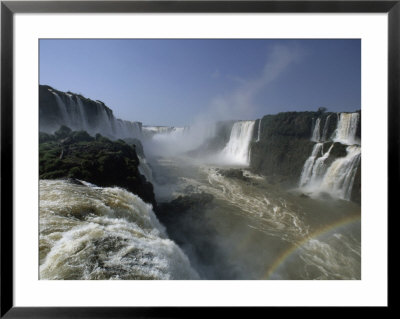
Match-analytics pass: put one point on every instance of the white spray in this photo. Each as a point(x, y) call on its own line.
point(347, 128)
point(237, 149)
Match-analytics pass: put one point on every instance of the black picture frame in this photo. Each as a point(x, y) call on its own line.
point(9, 8)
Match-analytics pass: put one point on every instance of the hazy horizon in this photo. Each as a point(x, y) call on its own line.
point(180, 82)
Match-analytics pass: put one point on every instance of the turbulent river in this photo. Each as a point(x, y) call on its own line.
point(89, 232)
point(209, 224)
point(260, 231)
point(252, 229)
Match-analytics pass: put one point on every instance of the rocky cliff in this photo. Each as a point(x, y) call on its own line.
point(77, 112)
point(97, 160)
point(283, 143)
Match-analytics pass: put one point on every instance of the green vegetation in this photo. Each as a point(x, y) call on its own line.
point(97, 160)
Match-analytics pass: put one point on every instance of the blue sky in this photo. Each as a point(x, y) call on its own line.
point(174, 82)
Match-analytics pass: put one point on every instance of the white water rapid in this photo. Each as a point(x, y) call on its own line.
point(89, 232)
point(254, 224)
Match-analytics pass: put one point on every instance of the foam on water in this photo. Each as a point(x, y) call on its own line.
point(269, 212)
point(103, 233)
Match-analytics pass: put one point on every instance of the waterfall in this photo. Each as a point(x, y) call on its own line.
point(62, 109)
point(126, 129)
point(105, 123)
point(237, 149)
point(339, 178)
point(145, 169)
point(76, 118)
point(316, 136)
point(326, 126)
point(92, 116)
point(306, 173)
point(84, 119)
point(71, 113)
point(347, 128)
point(259, 130)
point(319, 168)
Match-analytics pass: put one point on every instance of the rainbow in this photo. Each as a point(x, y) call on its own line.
point(323, 230)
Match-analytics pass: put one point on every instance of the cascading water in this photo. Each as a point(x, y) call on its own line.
point(326, 126)
point(259, 130)
point(316, 136)
point(237, 149)
point(84, 119)
point(126, 129)
point(145, 169)
point(62, 109)
point(73, 113)
point(319, 168)
point(347, 128)
point(306, 173)
point(92, 118)
point(89, 232)
point(105, 123)
point(339, 177)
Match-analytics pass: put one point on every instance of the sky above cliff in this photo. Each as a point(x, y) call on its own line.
point(178, 82)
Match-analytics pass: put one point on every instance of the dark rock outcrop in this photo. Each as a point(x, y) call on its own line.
point(190, 227)
point(137, 144)
point(358, 133)
point(233, 173)
point(98, 160)
point(280, 155)
point(356, 192)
